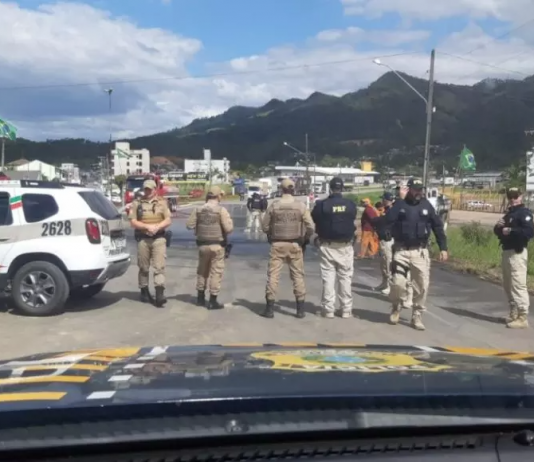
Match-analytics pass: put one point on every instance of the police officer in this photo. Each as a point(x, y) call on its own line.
point(385, 243)
point(212, 224)
point(150, 216)
point(255, 205)
point(514, 231)
point(335, 224)
point(288, 225)
point(411, 219)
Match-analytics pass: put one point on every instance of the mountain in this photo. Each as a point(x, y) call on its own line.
point(385, 121)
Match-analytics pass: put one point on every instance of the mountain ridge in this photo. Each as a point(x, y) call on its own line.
point(384, 121)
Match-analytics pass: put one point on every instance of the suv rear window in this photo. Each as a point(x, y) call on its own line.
point(99, 204)
point(38, 207)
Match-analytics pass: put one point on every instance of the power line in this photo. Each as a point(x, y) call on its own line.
point(204, 76)
point(499, 37)
point(481, 64)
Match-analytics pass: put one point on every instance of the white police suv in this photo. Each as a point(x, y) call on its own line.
point(57, 241)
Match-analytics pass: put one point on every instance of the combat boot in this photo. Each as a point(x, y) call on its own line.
point(417, 322)
point(160, 297)
point(145, 295)
point(201, 298)
point(269, 309)
point(514, 314)
point(214, 304)
point(395, 315)
point(300, 309)
point(521, 322)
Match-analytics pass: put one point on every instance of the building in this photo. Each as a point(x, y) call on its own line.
point(47, 171)
point(220, 169)
point(31, 175)
point(70, 173)
point(321, 175)
point(126, 161)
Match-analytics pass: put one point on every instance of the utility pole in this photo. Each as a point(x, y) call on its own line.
point(429, 112)
point(3, 152)
point(307, 163)
point(109, 92)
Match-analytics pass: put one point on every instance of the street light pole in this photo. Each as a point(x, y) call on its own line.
point(430, 109)
point(109, 92)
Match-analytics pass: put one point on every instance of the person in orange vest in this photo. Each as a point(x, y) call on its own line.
point(369, 242)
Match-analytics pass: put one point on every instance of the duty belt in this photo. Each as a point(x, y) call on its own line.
point(401, 246)
point(297, 241)
point(199, 243)
point(323, 241)
point(140, 235)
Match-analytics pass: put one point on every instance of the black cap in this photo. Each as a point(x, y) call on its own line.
point(387, 196)
point(415, 183)
point(513, 193)
point(336, 183)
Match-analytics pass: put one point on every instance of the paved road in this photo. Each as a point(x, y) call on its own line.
point(463, 310)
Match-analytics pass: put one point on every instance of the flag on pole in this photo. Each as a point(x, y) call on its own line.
point(7, 130)
point(467, 160)
point(123, 154)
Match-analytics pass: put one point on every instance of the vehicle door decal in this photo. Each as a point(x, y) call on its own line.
point(56, 228)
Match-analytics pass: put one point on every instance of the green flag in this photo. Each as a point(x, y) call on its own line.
point(7, 130)
point(467, 160)
point(123, 154)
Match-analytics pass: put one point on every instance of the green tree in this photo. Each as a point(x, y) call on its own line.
point(120, 181)
point(516, 175)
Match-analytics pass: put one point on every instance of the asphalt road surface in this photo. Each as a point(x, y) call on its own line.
point(462, 310)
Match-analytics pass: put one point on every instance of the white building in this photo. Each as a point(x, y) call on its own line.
point(321, 175)
point(47, 171)
point(126, 161)
point(70, 173)
point(220, 168)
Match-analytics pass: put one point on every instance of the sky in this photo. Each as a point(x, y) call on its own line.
point(171, 61)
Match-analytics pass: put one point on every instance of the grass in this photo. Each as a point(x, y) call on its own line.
point(374, 197)
point(474, 249)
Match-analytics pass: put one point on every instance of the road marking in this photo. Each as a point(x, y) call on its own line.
point(134, 366)
point(101, 395)
point(120, 378)
point(37, 396)
point(426, 348)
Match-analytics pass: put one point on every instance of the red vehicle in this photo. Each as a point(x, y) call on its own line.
point(134, 183)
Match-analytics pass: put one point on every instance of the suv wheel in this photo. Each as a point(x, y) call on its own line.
point(39, 288)
point(84, 293)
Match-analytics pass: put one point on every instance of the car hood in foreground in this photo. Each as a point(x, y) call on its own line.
point(218, 372)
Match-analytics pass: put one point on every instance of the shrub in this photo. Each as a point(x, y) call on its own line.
point(475, 233)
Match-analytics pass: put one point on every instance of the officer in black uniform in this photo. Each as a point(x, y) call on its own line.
point(514, 231)
point(412, 218)
point(255, 206)
point(335, 225)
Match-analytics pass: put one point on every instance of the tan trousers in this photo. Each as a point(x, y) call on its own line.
point(414, 265)
point(281, 253)
point(151, 252)
point(514, 272)
point(210, 267)
point(337, 263)
point(254, 220)
point(386, 257)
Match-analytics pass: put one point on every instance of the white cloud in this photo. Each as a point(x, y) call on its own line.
point(379, 37)
point(505, 10)
point(69, 43)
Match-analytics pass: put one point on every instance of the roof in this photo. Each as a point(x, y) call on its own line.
point(18, 162)
point(327, 170)
point(24, 174)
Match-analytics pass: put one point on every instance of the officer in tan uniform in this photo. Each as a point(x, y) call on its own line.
point(288, 225)
point(212, 224)
point(150, 217)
